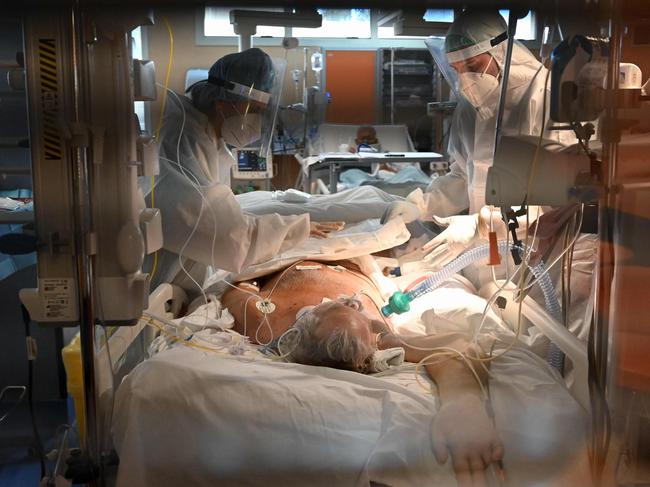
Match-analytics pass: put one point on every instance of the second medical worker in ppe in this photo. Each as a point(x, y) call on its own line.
point(202, 222)
point(473, 60)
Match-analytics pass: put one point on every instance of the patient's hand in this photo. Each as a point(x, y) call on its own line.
point(463, 429)
point(323, 229)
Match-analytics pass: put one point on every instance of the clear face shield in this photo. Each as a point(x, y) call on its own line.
point(436, 47)
point(248, 119)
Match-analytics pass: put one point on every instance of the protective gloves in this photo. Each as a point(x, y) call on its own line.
point(324, 229)
point(408, 211)
point(461, 232)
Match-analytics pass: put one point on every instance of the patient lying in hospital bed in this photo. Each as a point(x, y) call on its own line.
point(191, 417)
point(340, 334)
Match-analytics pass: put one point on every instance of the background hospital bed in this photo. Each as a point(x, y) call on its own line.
point(322, 152)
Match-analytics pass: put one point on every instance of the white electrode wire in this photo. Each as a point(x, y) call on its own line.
point(283, 356)
point(408, 345)
point(265, 321)
point(282, 275)
point(198, 219)
point(265, 318)
point(531, 175)
point(204, 204)
point(245, 311)
point(490, 302)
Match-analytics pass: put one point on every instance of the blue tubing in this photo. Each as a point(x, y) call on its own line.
point(455, 266)
point(555, 356)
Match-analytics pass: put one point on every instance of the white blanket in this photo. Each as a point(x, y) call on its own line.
point(355, 240)
point(353, 205)
point(192, 418)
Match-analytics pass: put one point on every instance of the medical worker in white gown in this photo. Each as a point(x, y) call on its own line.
point(474, 53)
point(475, 49)
point(202, 221)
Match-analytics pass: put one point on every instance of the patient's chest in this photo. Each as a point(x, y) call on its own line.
point(305, 284)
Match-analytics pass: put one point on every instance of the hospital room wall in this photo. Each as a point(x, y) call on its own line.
point(187, 54)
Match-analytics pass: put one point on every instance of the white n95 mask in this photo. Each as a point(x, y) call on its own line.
point(478, 88)
point(241, 130)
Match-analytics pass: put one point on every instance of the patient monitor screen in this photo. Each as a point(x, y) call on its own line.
point(249, 160)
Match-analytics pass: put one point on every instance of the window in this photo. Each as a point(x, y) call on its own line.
point(525, 27)
point(339, 23)
point(431, 15)
point(439, 15)
point(216, 23)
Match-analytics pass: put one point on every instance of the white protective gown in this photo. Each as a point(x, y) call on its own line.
point(471, 142)
point(201, 219)
point(471, 147)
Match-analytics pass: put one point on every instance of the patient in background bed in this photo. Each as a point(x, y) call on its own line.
point(345, 332)
point(366, 140)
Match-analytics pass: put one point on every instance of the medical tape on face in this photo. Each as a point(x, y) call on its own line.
point(476, 49)
point(241, 90)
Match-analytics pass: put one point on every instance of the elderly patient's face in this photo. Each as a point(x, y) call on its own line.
point(335, 315)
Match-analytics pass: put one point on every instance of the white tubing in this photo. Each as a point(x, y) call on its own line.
point(555, 356)
point(575, 350)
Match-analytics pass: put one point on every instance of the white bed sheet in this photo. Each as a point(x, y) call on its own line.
point(357, 240)
point(192, 418)
point(352, 205)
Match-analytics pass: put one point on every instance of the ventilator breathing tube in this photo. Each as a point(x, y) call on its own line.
point(555, 356)
point(399, 302)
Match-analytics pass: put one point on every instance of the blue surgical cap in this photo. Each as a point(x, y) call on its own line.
point(252, 67)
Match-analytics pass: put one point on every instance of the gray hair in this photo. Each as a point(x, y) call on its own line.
point(341, 350)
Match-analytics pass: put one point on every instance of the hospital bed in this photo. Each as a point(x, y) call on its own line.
point(189, 416)
point(326, 155)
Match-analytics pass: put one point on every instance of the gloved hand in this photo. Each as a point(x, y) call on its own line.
point(323, 229)
point(461, 232)
point(404, 209)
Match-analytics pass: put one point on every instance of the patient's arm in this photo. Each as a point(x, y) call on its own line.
point(462, 427)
